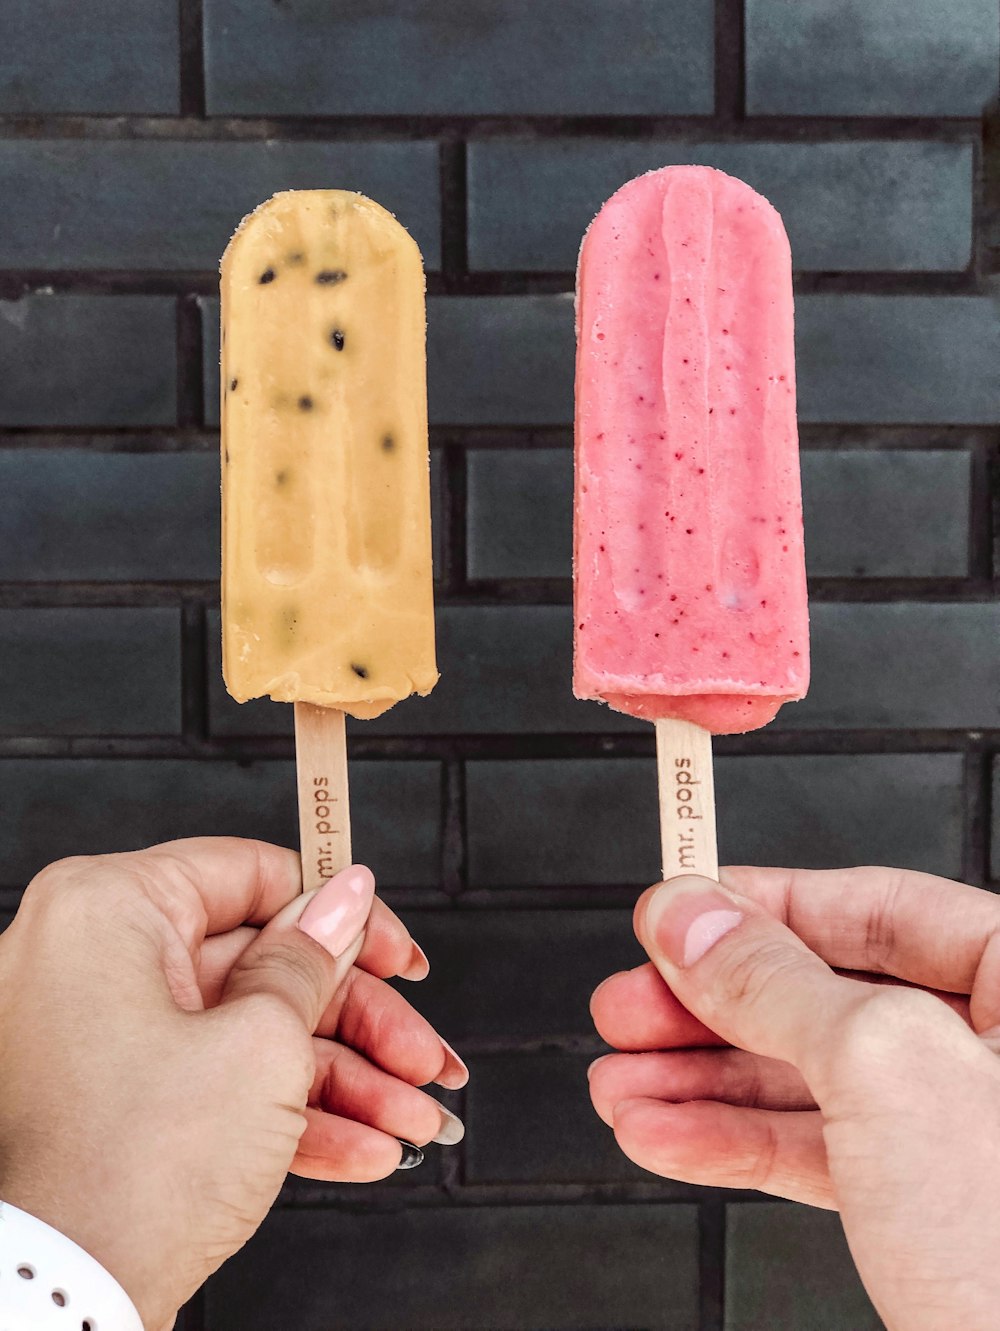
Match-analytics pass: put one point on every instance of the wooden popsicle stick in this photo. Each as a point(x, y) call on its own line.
point(324, 805)
point(687, 799)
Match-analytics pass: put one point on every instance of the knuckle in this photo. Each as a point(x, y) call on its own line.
point(55, 879)
point(886, 1021)
point(752, 973)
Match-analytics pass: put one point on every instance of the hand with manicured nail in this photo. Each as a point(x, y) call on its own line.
point(179, 1028)
point(829, 1037)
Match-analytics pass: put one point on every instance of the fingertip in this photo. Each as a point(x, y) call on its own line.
point(410, 1156)
point(418, 967)
point(454, 1074)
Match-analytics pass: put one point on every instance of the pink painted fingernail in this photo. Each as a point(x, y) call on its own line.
point(687, 916)
point(454, 1075)
point(339, 911)
point(418, 967)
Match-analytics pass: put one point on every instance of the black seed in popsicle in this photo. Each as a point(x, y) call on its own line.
point(281, 477)
point(329, 276)
point(360, 670)
point(338, 339)
point(305, 403)
point(388, 443)
point(268, 275)
point(232, 385)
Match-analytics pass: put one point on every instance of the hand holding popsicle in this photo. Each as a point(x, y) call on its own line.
point(874, 1091)
point(180, 1027)
point(689, 577)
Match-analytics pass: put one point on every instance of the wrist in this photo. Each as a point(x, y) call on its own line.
point(94, 1227)
point(45, 1273)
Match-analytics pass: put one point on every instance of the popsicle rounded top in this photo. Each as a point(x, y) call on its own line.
point(326, 560)
point(689, 573)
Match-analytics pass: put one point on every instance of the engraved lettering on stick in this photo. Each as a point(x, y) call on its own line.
point(686, 810)
point(323, 808)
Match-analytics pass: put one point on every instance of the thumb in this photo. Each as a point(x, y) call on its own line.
point(305, 953)
point(742, 972)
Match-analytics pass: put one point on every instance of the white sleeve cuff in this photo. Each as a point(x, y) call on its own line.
point(47, 1283)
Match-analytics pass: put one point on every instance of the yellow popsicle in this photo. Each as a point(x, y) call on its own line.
point(326, 536)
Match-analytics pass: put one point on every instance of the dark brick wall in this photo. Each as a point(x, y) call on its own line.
point(512, 825)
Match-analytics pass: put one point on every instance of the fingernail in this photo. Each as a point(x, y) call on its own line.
point(418, 967)
point(452, 1128)
point(454, 1075)
point(590, 1070)
point(687, 916)
point(339, 911)
point(411, 1157)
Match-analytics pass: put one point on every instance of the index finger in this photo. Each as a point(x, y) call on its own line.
point(212, 885)
point(209, 885)
point(913, 926)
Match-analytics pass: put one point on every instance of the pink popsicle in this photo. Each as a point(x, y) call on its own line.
point(689, 573)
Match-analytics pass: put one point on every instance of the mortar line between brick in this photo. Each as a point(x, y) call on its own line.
point(291, 129)
point(981, 509)
point(455, 512)
point(507, 748)
point(730, 63)
point(527, 593)
point(977, 784)
point(712, 1264)
point(454, 214)
point(190, 372)
point(194, 675)
point(514, 438)
point(17, 283)
point(192, 58)
point(454, 840)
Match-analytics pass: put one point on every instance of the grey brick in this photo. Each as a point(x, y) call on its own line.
point(88, 360)
point(90, 672)
point(897, 513)
point(459, 57)
point(871, 57)
point(123, 58)
point(54, 807)
point(165, 204)
point(73, 514)
point(520, 513)
point(508, 360)
point(903, 359)
point(900, 666)
point(591, 822)
point(515, 1268)
point(861, 206)
point(529, 1119)
point(789, 1267)
point(526, 996)
point(500, 360)
point(892, 514)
